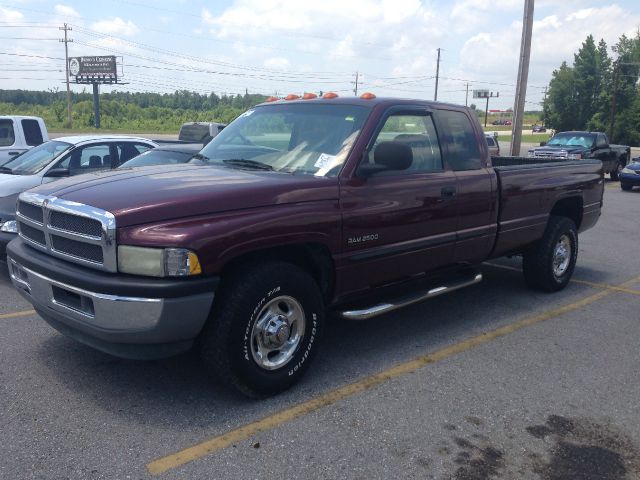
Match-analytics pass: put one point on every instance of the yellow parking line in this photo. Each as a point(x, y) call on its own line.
point(214, 444)
point(575, 280)
point(24, 313)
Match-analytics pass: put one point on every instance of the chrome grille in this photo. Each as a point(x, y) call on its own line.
point(73, 231)
point(551, 154)
point(32, 234)
point(33, 212)
point(75, 224)
point(87, 251)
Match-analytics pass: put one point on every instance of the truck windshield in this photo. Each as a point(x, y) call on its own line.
point(36, 159)
point(299, 138)
point(572, 139)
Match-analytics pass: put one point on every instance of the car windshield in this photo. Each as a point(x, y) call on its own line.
point(34, 160)
point(572, 140)
point(299, 138)
point(158, 157)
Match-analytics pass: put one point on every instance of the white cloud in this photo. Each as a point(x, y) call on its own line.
point(277, 63)
point(7, 15)
point(116, 26)
point(66, 11)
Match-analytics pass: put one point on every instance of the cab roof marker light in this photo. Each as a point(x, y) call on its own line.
point(367, 96)
point(329, 95)
point(272, 99)
point(291, 96)
point(309, 96)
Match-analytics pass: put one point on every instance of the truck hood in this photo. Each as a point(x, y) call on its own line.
point(151, 194)
point(12, 184)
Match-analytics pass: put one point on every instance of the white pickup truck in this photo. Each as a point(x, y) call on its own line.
point(18, 134)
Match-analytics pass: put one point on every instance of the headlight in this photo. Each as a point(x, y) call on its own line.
point(628, 171)
point(574, 156)
point(531, 153)
point(10, 226)
point(158, 262)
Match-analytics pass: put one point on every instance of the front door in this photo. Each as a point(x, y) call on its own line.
point(398, 223)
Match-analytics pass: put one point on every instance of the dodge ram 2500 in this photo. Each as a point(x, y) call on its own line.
point(356, 206)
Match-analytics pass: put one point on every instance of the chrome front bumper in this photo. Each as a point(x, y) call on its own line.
point(114, 323)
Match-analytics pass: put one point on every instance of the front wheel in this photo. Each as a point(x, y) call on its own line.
point(625, 186)
point(264, 328)
point(549, 265)
point(615, 174)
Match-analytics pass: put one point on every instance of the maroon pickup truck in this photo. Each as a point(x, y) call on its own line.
point(355, 206)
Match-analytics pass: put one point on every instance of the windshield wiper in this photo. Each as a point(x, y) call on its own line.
point(6, 170)
point(243, 162)
point(199, 156)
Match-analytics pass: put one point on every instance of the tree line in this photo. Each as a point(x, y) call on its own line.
point(127, 111)
point(599, 92)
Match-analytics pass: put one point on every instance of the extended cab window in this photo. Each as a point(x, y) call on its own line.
point(459, 141)
point(32, 132)
point(7, 135)
point(601, 140)
point(416, 131)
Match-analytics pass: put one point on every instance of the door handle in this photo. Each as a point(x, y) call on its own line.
point(447, 193)
point(13, 154)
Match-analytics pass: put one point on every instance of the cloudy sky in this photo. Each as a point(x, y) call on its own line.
point(293, 46)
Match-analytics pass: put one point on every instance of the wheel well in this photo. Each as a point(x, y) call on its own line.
point(313, 258)
point(570, 208)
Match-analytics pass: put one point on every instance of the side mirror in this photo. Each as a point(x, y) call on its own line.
point(388, 156)
point(57, 172)
point(542, 144)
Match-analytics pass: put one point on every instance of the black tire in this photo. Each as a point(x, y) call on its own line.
point(227, 343)
point(538, 261)
point(625, 186)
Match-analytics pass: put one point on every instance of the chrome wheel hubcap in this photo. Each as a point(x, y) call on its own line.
point(561, 256)
point(277, 333)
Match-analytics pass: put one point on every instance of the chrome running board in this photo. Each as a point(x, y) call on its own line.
point(403, 301)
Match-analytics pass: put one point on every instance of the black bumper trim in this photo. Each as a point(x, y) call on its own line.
point(107, 283)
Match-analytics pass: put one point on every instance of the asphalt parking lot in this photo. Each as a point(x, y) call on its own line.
point(493, 381)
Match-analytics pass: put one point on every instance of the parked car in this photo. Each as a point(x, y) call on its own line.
point(55, 159)
point(338, 208)
point(538, 128)
point(200, 132)
point(577, 145)
point(18, 134)
point(492, 143)
point(630, 175)
point(164, 155)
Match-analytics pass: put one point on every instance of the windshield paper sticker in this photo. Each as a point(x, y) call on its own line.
point(324, 160)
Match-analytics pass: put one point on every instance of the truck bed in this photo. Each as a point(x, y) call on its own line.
point(531, 189)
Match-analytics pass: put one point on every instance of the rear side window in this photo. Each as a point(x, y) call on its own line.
point(491, 142)
point(32, 132)
point(459, 141)
point(7, 135)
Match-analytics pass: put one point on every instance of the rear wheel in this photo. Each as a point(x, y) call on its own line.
point(550, 263)
point(625, 186)
point(264, 328)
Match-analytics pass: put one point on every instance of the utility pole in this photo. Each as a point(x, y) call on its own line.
point(435, 96)
point(466, 99)
point(544, 103)
point(613, 100)
point(66, 61)
point(523, 75)
point(355, 89)
point(486, 108)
